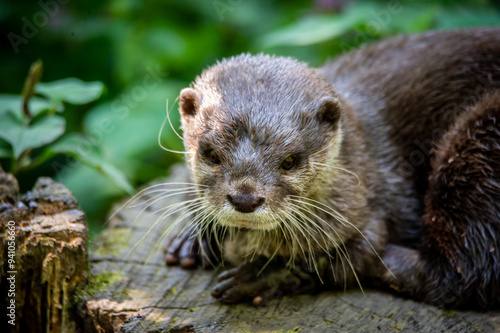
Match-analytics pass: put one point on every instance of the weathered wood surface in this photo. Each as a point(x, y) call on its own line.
point(150, 297)
point(43, 256)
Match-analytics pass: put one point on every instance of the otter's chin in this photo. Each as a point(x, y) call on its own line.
point(249, 224)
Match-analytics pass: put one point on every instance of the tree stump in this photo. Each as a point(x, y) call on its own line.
point(133, 291)
point(44, 241)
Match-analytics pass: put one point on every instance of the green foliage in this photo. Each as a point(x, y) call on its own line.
point(72, 144)
point(364, 21)
point(27, 123)
point(317, 28)
point(71, 91)
point(145, 52)
point(26, 137)
point(14, 104)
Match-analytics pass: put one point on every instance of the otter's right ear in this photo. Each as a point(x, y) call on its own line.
point(189, 102)
point(328, 110)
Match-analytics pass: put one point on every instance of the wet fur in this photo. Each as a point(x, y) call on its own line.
point(253, 131)
point(409, 159)
point(440, 106)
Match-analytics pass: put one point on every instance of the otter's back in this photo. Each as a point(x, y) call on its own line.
point(408, 90)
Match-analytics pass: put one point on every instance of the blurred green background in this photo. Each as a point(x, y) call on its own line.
point(145, 52)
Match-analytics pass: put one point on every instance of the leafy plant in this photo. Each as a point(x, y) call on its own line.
point(122, 43)
point(32, 129)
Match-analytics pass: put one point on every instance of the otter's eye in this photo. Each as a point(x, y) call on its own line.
point(288, 163)
point(213, 157)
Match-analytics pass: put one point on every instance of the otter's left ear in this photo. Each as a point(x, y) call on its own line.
point(328, 110)
point(189, 103)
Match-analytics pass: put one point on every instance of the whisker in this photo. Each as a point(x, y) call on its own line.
point(329, 210)
point(167, 117)
point(165, 195)
point(210, 229)
point(327, 147)
point(192, 209)
point(170, 122)
point(269, 260)
point(340, 249)
point(144, 192)
point(322, 234)
point(283, 227)
point(158, 220)
point(297, 240)
point(339, 168)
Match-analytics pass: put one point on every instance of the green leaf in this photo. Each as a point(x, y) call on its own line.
point(71, 90)
point(79, 147)
point(422, 21)
point(38, 134)
point(34, 76)
point(14, 104)
point(317, 28)
point(5, 149)
point(462, 16)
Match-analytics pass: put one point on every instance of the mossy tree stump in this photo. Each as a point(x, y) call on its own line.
point(133, 291)
point(44, 241)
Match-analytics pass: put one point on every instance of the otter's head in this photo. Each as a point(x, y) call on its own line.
point(259, 131)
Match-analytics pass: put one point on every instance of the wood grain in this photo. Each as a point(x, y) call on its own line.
point(151, 297)
point(50, 260)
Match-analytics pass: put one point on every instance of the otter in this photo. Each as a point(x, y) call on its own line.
point(382, 167)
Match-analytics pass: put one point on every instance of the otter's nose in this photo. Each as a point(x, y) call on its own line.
point(245, 203)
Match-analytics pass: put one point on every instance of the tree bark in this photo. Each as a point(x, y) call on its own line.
point(44, 241)
point(138, 293)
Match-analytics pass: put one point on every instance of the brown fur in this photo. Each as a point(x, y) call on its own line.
point(433, 85)
point(457, 262)
point(402, 141)
point(252, 141)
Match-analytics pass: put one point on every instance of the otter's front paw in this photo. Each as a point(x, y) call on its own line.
point(245, 283)
point(185, 250)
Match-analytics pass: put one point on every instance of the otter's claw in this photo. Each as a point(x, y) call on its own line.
point(185, 250)
point(245, 283)
point(234, 288)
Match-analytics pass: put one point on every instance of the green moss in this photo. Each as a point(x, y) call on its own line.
point(122, 294)
point(101, 282)
point(450, 313)
point(111, 242)
point(293, 330)
point(397, 327)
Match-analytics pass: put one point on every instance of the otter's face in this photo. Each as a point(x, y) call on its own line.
point(255, 145)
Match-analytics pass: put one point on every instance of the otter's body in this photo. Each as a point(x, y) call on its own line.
point(388, 154)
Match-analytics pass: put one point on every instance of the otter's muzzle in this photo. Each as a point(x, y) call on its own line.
point(245, 203)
